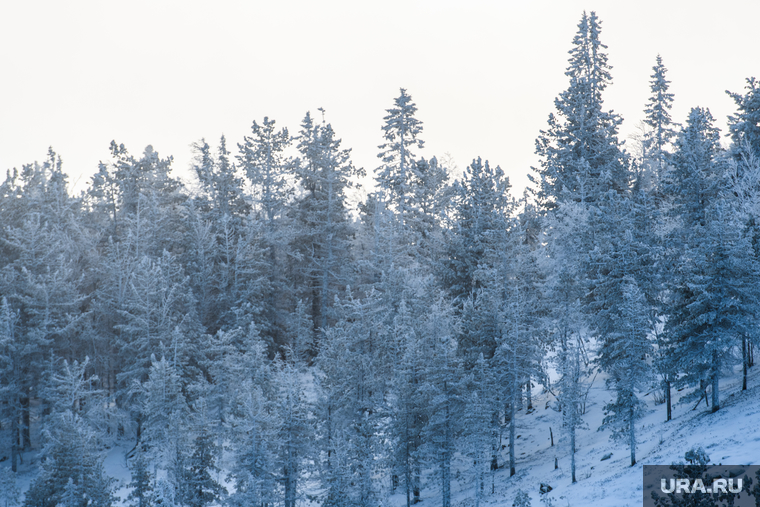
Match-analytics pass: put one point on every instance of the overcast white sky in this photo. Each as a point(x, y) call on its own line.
point(484, 74)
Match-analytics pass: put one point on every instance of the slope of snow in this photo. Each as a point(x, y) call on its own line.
point(730, 436)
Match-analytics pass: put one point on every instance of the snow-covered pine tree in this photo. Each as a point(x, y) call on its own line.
point(10, 369)
point(581, 156)
point(395, 176)
point(217, 219)
point(565, 321)
point(262, 158)
point(714, 308)
point(73, 468)
point(407, 209)
point(200, 262)
point(431, 198)
point(744, 185)
point(165, 420)
point(508, 304)
point(253, 423)
point(118, 187)
point(624, 353)
point(323, 229)
point(690, 184)
point(155, 309)
point(693, 181)
point(201, 487)
point(222, 188)
point(294, 442)
point(44, 249)
point(480, 213)
point(442, 387)
point(73, 465)
point(706, 299)
point(255, 467)
point(300, 334)
point(478, 441)
point(619, 312)
point(10, 494)
point(518, 354)
point(408, 405)
point(141, 492)
point(657, 110)
point(352, 379)
point(744, 126)
point(242, 282)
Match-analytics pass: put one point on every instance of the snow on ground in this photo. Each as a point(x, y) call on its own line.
point(730, 436)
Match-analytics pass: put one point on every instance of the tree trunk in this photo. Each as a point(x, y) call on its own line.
point(744, 363)
point(528, 396)
point(416, 490)
point(14, 441)
point(26, 441)
point(751, 355)
point(446, 468)
point(632, 430)
point(512, 438)
point(407, 465)
point(572, 452)
point(668, 399)
point(715, 381)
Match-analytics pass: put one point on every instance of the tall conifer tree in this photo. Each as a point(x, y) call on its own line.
point(581, 156)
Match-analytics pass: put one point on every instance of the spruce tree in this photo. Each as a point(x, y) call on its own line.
point(117, 188)
point(72, 470)
point(253, 423)
point(44, 251)
point(141, 494)
point(321, 242)
point(409, 405)
point(10, 494)
point(295, 430)
point(444, 390)
point(744, 126)
point(217, 218)
point(480, 213)
point(165, 412)
point(658, 119)
point(480, 433)
point(353, 377)
point(712, 291)
point(201, 487)
point(262, 157)
point(581, 156)
point(401, 132)
point(624, 355)
point(565, 321)
point(221, 187)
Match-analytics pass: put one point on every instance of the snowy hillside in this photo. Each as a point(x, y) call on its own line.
point(256, 339)
point(730, 436)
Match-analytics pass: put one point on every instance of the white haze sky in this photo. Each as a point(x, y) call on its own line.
point(484, 74)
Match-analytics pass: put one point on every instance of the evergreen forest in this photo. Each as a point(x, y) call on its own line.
point(251, 338)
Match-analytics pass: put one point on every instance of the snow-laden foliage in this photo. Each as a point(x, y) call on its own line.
point(253, 339)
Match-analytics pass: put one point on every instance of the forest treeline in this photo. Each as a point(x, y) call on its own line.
point(257, 324)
